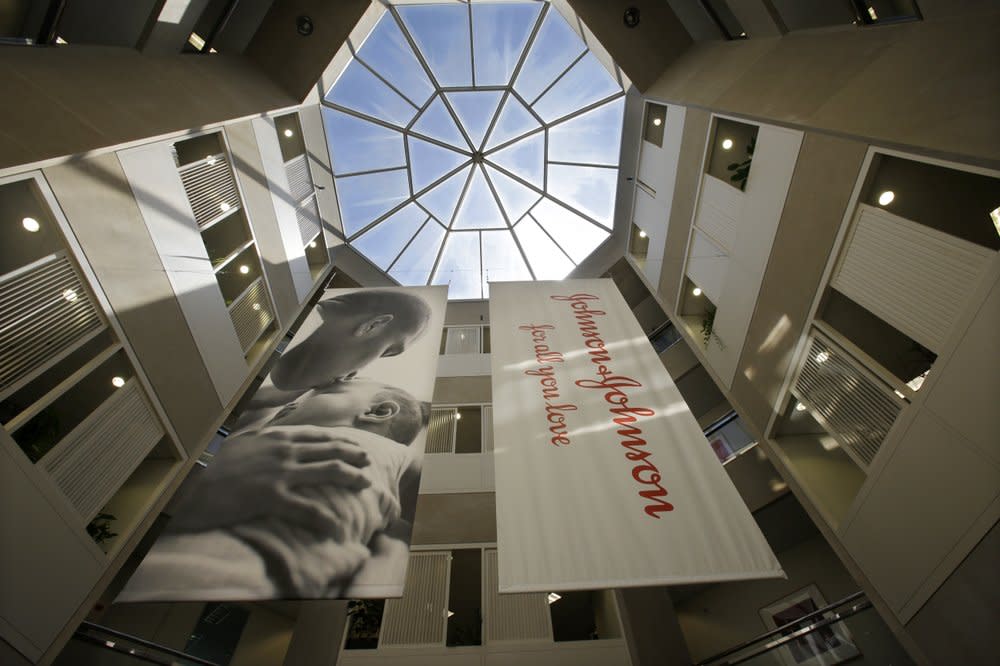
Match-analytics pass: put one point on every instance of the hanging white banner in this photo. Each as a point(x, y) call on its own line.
point(603, 476)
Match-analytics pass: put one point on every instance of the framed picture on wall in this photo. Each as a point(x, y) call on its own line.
point(721, 446)
point(833, 644)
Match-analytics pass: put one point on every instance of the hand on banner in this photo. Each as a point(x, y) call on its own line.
point(255, 475)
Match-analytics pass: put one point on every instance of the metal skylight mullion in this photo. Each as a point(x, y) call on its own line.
point(557, 79)
point(527, 46)
point(546, 232)
point(482, 268)
point(586, 109)
point(584, 164)
point(510, 225)
point(493, 122)
point(545, 167)
point(461, 198)
point(411, 199)
point(437, 259)
point(472, 49)
point(386, 82)
point(427, 68)
point(507, 144)
point(527, 106)
point(409, 165)
point(395, 128)
point(562, 203)
point(409, 242)
point(369, 171)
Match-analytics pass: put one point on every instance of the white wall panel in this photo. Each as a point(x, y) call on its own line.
point(720, 209)
point(913, 277)
point(285, 205)
point(161, 198)
point(707, 265)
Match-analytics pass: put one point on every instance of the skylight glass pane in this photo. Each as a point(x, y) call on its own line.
point(479, 209)
point(437, 123)
point(526, 158)
point(358, 145)
point(592, 138)
point(500, 33)
point(587, 82)
point(546, 259)
point(428, 162)
point(359, 89)
point(502, 261)
point(590, 189)
point(514, 120)
point(443, 199)
point(475, 110)
point(388, 53)
point(364, 198)
point(383, 243)
point(459, 267)
point(575, 235)
point(441, 32)
point(414, 266)
point(555, 47)
point(515, 198)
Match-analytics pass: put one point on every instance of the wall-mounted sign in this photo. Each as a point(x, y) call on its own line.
point(312, 495)
point(603, 476)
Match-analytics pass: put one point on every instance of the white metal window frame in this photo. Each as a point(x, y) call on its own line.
point(221, 131)
point(381, 651)
point(45, 484)
point(485, 431)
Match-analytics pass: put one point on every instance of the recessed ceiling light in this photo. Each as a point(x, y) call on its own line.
point(657, 122)
point(256, 307)
point(642, 234)
point(696, 291)
point(244, 269)
point(458, 416)
point(70, 295)
point(799, 407)
point(288, 133)
point(31, 224)
point(873, 13)
point(886, 198)
point(727, 144)
point(118, 382)
point(553, 597)
point(823, 357)
point(312, 244)
point(224, 206)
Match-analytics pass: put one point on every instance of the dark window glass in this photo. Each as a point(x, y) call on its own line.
point(29, 231)
point(469, 430)
point(366, 622)
point(465, 618)
point(731, 152)
point(573, 616)
point(886, 11)
point(198, 148)
point(664, 338)
point(654, 124)
point(290, 136)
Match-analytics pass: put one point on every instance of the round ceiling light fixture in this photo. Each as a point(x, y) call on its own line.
point(30, 224)
point(657, 122)
point(289, 133)
point(631, 17)
point(886, 198)
point(727, 144)
point(304, 25)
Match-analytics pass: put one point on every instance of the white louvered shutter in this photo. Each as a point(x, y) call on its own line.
point(44, 312)
point(211, 188)
point(93, 461)
point(441, 431)
point(913, 277)
point(856, 407)
point(251, 314)
point(419, 617)
point(487, 429)
point(512, 617)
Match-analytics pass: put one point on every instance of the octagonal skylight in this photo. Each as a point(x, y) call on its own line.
point(475, 142)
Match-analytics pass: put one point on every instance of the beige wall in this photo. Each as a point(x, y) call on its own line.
point(929, 83)
point(292, 61)
point(821, 186)
point(78, 98)
point(727, 614)
point(97, 200)
point(643, 51)
point(456, 518)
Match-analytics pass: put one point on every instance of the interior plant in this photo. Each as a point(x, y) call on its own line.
point(741, 170)
point(707, 321)
point(99, 528)
point(366, 621)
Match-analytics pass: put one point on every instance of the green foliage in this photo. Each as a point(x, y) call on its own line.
point(707, 321)
point(741, 170)
point(366, 617)
point(99, 528)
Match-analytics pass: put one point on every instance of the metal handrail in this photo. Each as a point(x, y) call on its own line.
point(788, 637)
point(138, 641)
